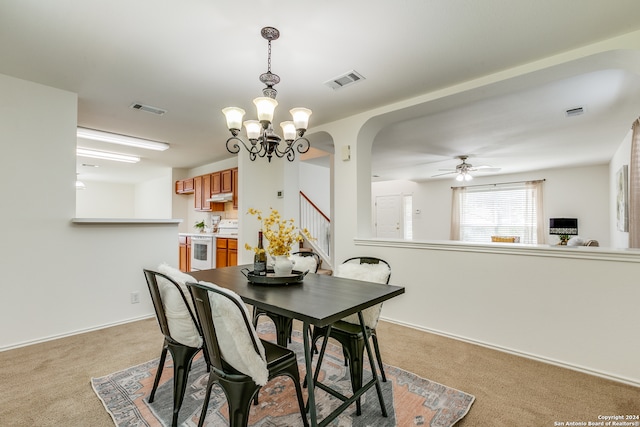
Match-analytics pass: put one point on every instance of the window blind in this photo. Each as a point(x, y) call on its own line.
point(500, 210)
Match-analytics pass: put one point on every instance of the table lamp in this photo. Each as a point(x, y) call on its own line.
point(563, 228)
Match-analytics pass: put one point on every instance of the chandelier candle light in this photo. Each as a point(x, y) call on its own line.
point(263, 140)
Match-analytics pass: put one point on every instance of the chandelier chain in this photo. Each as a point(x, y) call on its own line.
point(263, 141)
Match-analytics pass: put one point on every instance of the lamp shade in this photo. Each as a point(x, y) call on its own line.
point(253, 129)
point(289, 130)
point(563, 226)
point(266, 107)
point(300, 117)
point(234, 117)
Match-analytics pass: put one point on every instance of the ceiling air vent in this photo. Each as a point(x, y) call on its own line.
point(571, 112)
point(148, 109)
point(344, 80)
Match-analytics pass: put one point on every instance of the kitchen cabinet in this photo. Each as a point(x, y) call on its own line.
point(205, 186)
point(234, 179)
point(226, 252)
point(226, 181)
point(184, 251)
point(202, 190)
point(216, 183)
point(232, 252)
point(184, 186)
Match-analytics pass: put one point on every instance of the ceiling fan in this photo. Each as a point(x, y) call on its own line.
point(463, 170)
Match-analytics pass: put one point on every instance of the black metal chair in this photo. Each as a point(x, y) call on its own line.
point(284, 325)
point(240, 389)
point(350, 336)
point(181, 354)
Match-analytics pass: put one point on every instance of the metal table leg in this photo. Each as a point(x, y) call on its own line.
point(311, 402)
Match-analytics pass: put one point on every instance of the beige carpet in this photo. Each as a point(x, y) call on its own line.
point(48, 384)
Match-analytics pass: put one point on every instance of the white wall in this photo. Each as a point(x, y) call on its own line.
point(60, 278)
point(149, 199)
point(106, 200)
point(581, 192)
point(314, 182)
point(549, 304)
point(152, 198)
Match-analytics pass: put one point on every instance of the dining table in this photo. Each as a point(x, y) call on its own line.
point(317, 300)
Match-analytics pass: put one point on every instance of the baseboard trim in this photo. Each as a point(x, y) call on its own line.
point(526, 355)
point(76, 332)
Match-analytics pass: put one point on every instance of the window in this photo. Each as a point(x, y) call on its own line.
point(513, 209)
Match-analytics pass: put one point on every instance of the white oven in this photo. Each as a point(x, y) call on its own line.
point(203, 253)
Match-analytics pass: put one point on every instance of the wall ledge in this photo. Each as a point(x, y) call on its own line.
point(575, 252)
point(120, 221)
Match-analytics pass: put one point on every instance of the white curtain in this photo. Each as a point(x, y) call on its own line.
point(455, 212)
point(535, 187)
point(634, 187)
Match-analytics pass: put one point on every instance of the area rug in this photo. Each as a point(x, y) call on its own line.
point(410, 399)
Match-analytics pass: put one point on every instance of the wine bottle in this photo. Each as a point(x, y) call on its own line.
point(260, 259)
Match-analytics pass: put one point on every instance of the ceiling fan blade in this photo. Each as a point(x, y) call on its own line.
point(486, 169)
point(441, 174)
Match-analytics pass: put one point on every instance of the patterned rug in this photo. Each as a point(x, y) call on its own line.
point(410, 400)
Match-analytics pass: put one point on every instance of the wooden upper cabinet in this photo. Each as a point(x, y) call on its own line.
point(205, 186)
point(234, 179)
point(188, 185)
point(227, 181)
point(206, 189)
point(216, 185)
point(184, 186)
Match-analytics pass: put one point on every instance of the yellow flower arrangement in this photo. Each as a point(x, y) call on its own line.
point(280, 234)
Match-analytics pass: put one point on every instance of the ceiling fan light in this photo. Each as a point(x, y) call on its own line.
point(234, 117)
point(266, 107)
point(460, 177)
point(468, 177)
point(300, 117)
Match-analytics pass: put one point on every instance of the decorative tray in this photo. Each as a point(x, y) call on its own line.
point(271, 279)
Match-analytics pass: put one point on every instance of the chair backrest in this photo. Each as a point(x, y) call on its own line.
point(310, 254)
point(161, 314)
point(368, 273)
point(235, 344)
point(369, 260)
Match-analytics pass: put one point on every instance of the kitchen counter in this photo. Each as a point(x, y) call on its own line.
point(220, 235)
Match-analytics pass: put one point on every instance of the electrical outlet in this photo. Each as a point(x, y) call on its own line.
point(135, 297)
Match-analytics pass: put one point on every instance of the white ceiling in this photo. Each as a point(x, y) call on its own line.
point(194, 57)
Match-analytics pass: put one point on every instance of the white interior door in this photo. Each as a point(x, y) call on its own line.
point(389, 216)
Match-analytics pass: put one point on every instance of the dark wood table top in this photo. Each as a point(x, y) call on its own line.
point(319, 300)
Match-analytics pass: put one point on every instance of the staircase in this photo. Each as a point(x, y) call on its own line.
point(319, 226)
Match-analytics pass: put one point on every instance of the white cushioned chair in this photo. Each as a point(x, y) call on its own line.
point(240, 363)
point(177, 320)
point(347, 331)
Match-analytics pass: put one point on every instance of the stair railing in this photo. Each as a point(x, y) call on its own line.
point(319, 226)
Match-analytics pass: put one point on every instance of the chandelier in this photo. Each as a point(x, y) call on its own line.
point(263, 140)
